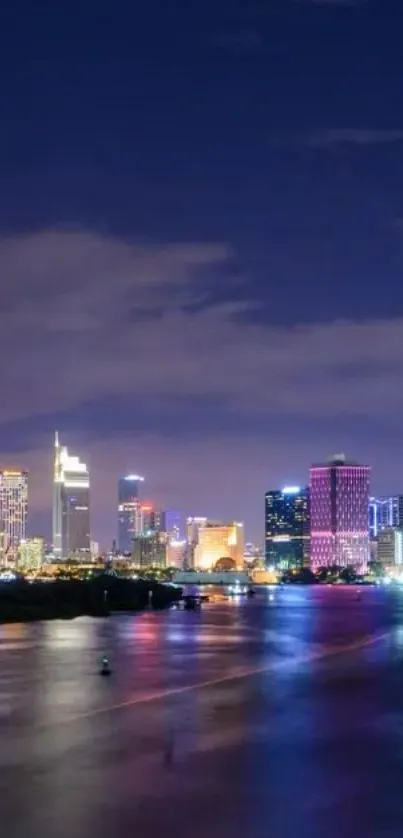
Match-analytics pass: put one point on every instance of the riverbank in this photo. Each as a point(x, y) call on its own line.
point(22, 601)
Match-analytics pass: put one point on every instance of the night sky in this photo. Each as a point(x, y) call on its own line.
point(201, 254)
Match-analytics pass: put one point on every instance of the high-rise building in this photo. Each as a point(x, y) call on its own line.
point(31, 554)
point(385, 512)
point(222, 543)
point(94, 549)
point(192, 528)
point(128, 511)
point(176, 554)
point(193, 525)
point(150, 519)
point(13, 511)
point(149, 550)
point(171, 523)
point(287, 527)
point(390, 546)
point(339, 500)
point(71, 505)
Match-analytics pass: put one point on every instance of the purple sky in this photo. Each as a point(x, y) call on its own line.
point(201, 246)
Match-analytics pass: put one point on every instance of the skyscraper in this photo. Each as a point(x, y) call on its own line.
point(390, 546)
point(13, 510)
point(150, 519)
point(339, 499)
point(149, 550)
point(385, 512)
point(171, 523)
point(71, 505)
point(287, 527)
point(129, 517)
point(193, 525)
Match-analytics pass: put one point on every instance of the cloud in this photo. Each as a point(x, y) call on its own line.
point(77, 280)
point(353, 136)
point(89, 317)
point(116, 342)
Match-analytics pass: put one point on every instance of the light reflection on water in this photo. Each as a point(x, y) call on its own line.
point(287, 740)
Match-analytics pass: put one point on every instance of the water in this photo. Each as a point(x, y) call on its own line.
point(259, 717)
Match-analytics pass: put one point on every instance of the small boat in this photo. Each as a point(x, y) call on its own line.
point(191, 603)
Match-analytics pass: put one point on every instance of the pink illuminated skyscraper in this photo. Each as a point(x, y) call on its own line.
point(339, 493)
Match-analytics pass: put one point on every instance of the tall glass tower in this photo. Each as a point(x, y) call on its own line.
point(129, 511)
point(71, 505)
point(385, 512)
point(339, 500)
point(287, 527)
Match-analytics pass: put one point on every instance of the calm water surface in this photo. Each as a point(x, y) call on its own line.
point(254, 717)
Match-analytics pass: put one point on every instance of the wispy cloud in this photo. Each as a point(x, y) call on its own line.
point(186, 392)
point(353, 136)
point(68, 300)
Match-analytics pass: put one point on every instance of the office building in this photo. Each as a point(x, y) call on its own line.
point(31, 554)
point(287, 528)
point(339, 502)
point(150, 519)
point(385, 512)
point(171, 523)
point(390, 546)
point(13, 511)
point(176, 553)
point(94, 549)
point(193, 525)
point(71, 505)
point(129, 525)
point(149, 550)
point(192, 528)
point(219, 543)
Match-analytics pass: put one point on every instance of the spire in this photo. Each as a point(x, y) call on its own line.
point(56, 439)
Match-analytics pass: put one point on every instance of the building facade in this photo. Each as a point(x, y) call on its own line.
point(176, 553)
point(149, 550)
point(13, 511)
point(390, 547)
point(339, 502)
point(385, 512)
point(193, 524)
point(218, 542)
point(171, 523)
point(287, 530)
point(71, 506)
point(150, 519)
point(129, 489)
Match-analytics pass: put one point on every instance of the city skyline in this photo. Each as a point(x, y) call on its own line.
point(191, 275)
point(161, 500)
point(152, 516)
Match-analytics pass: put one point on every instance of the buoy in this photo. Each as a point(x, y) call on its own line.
point(105, 669)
